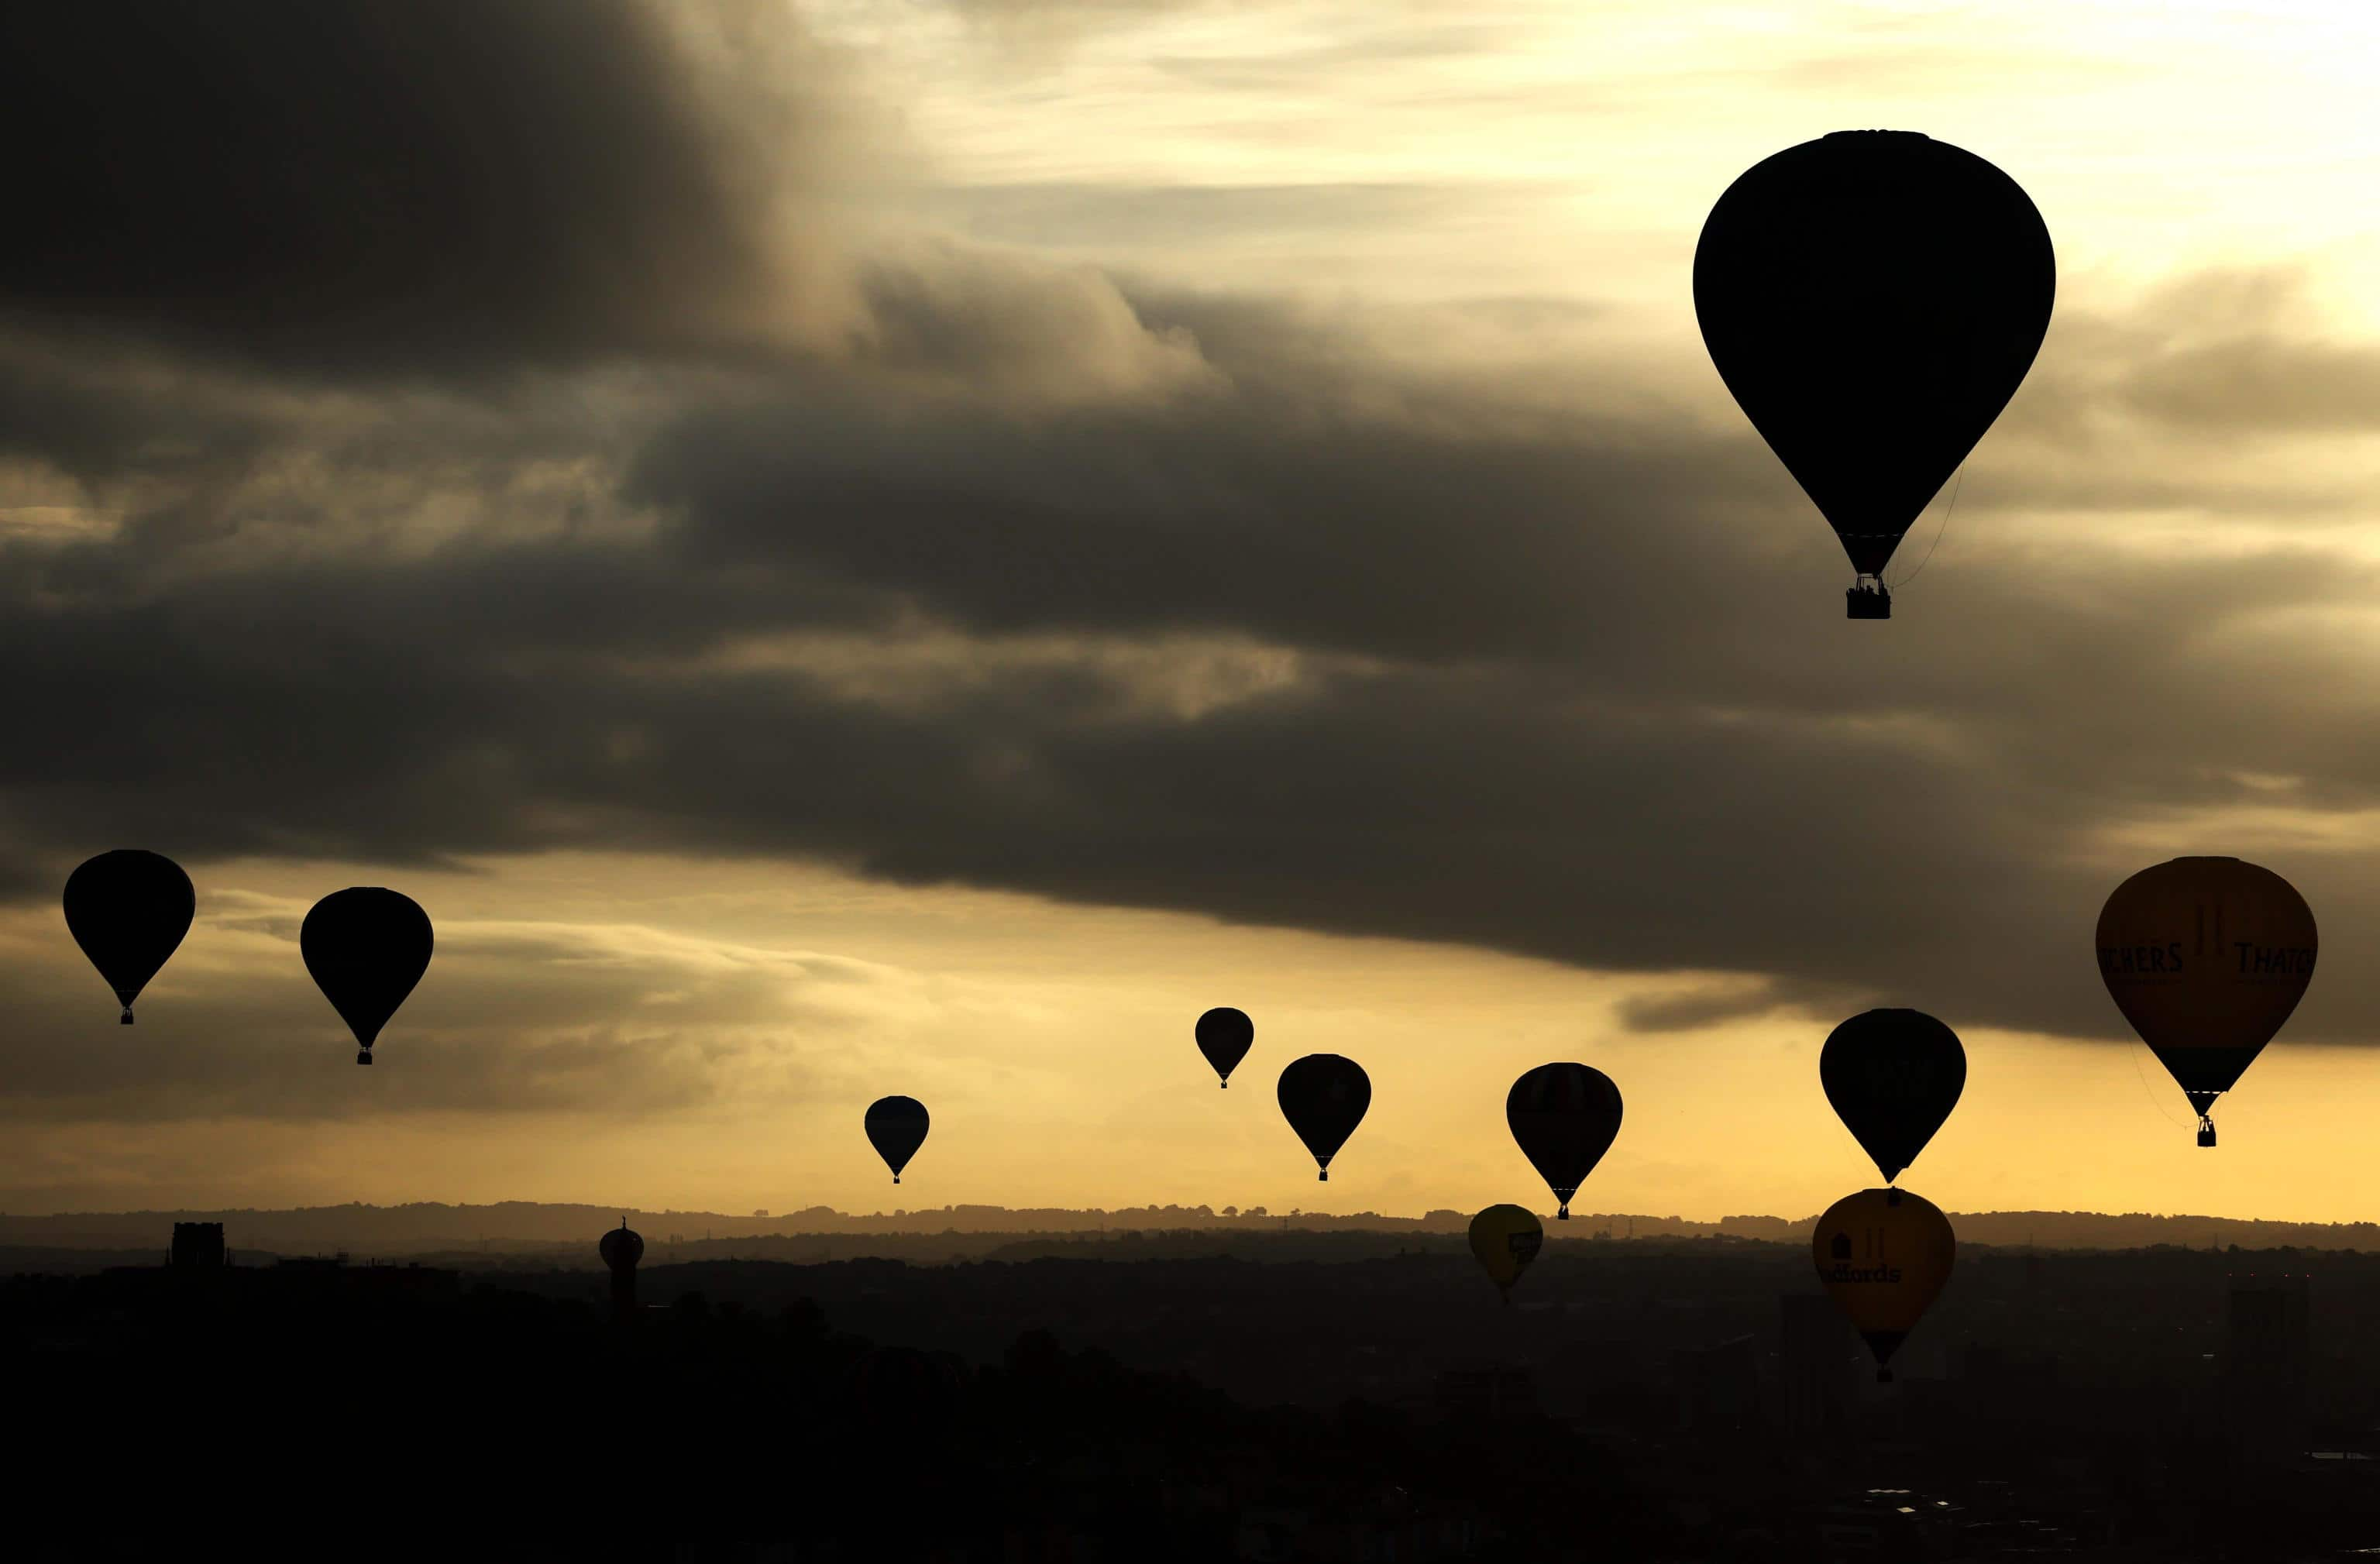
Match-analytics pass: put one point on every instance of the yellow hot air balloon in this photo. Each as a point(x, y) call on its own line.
point(1506, 1239)
point(2207, 957)
point(1883, 1255)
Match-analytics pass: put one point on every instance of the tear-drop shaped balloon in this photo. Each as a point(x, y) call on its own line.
point(1224, 1035)
point(1323, 1097)
point(2207, 957)
point(1893, 1076)
point(1873, 298)
point(1564, 1117)
point(1883, 1255)
point(1505, 1238)
point(128, 910)
point(896, 1128)
point(366, 948)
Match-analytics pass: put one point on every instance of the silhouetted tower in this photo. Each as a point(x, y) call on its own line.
point(2267, 1366)
point(198, 1245)
point(621, 1250)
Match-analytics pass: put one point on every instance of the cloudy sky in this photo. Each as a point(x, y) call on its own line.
point(896, 547)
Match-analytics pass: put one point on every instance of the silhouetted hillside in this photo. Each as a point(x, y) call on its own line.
point(565, 1235)
point(1661, 1400)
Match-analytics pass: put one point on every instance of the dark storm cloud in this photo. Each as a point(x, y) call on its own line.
point(509, 1019)
point(1078, 212)
point(1485, 669)
point(1706, 1007)
point(374, 183)
point(1571, 688)
point(2223, 356)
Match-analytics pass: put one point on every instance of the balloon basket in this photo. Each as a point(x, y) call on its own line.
point(125, 1019)
point(1323, 1177)
point(1867, 601)
point(2207, 1133)
point(364, 1057)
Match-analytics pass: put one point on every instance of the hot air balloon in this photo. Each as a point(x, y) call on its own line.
point(1223, 1037)
point(1883, 1255)
point(1323, 1097)
point(1505, 1238)
point(896, 1128)
point(1564, 1117)
point(128, 910)
point(1893, 1076)
point(1873, 298)
point(366, 948)
point(2207, 957)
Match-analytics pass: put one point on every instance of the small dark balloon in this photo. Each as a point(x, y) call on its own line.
point(366, 947)
point(1873, 298)
point(1564, 1117)
point(1224, 1035)
point(130, 910)
point(1893, 1076)
point(1324, 1096)
point(896, 1128)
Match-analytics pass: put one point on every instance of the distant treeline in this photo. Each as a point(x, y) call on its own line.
point(481, 1236)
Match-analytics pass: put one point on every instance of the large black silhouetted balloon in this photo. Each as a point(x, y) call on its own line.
point(366, 948)
point(1323, 1097)
point(1223, 1037)
point(1893, 1076)
point(896, 1128)
point(1564, 1117)
point(128, 910)
point(1873, 298)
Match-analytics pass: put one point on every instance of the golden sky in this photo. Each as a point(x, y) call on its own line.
point(946, 539)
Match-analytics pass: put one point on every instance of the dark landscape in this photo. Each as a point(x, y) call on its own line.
point(1268, 1393)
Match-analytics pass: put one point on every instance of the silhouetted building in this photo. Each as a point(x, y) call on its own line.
point(621, 1249)
point(1817, 1359)
point(1492, 1394)
point(2268, 1359)
point(1719, 1387)
point(198, 1245)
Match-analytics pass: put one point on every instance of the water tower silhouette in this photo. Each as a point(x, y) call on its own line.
point(621, 1250)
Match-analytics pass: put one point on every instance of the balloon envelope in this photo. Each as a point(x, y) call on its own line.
point(1873, 298)
point(1505, 1238)
point(366, 948)
point(896, 1128)
point(2207, 957)
point(1564, 1116)
point(1324, 1096)
point(128, 910)
point(1883, 1255)
point(1893, 1076)
point(1224, 1035)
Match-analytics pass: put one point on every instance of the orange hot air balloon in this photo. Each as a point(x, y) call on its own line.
point(1504, 1239)
point(1883, 1255)
point(2207, 957)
